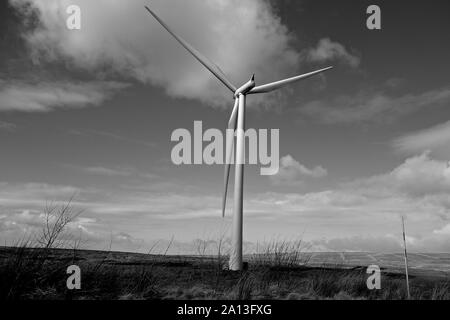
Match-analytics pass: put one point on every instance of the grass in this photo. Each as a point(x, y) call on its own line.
point(281, 253)
point(35, 269)
point(27, 273)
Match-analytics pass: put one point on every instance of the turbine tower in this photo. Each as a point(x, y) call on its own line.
point(236, 124)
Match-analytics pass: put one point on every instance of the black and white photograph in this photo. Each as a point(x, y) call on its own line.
point(246, 152)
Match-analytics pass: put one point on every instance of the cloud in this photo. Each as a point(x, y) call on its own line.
point(242, 37)
point(18, 225)
point(111, 135)
point(385, 244)
point(7, 126)
point(421, 175)
point(395, 82)
point(118, 171)
point(432, 243)
point(418, 176)
point(418, 189)
point(34, 194)
point(444, 231)
point(27, 225)
point(364, 210)
point(108, 171)
point(368, 106)
point(292, 172)
point(21, 221)
point(169, 206)
point(328, 50)
point(126, 242)
point(435, 139)
point(16, 95)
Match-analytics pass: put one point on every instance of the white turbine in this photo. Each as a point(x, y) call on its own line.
point(237, 124)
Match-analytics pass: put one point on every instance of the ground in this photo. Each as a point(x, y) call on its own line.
point(41, 274)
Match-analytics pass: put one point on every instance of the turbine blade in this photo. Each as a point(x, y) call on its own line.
point(282, 83)
point(213, 68)
point(229, 152)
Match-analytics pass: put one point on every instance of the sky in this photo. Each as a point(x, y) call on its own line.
point(89, 113)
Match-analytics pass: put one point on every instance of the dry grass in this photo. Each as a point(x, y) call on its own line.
point(278, 270)
point(281, 253)
point(41, 274)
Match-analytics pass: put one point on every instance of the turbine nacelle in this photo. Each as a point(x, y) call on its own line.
point(246, 88)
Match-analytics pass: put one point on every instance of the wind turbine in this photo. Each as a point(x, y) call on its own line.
point(236, 124)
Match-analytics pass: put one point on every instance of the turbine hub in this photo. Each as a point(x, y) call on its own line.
point(246, 87)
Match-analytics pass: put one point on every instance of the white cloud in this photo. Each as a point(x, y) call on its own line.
point(369, 208)
point(373, 106)
point(444, 231)
point(111, 135)
point(292, 172)
point(168, 206)
point(118, 37)
point(7, 126)
point(435, 139)
point(422, 175)
point(328, 50)
point(418, 176)
point(429, 243)
point(26, 224)
point(110, 172)
point(46, 96)
point(383, 244)
point(16, 194)
point(372, 206)
point(116, 171)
